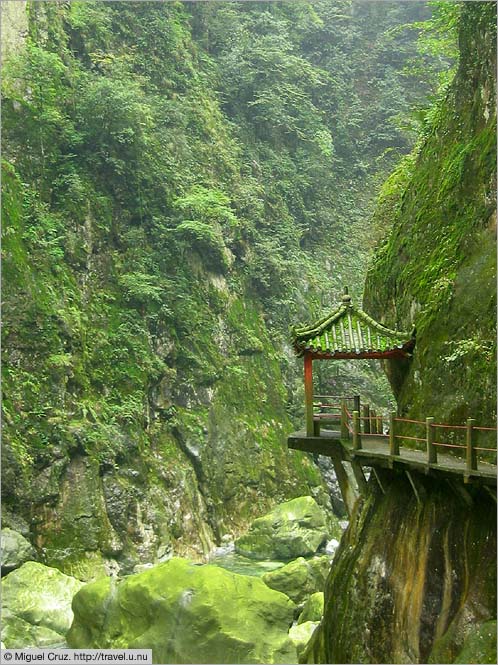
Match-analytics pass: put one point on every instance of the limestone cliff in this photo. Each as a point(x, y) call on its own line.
point(14, 22)
point(414, 578)
point(144, 409)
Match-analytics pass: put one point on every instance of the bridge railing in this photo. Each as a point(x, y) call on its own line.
point(331, 409)
point(461, 440)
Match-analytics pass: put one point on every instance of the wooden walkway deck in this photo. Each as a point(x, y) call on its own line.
point(375, 451)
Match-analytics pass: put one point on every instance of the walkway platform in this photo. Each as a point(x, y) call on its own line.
point(375, 452)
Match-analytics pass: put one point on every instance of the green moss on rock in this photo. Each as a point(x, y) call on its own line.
point(292, 529)
point(437, 268)
point(15, 550)
point(313, 608)
point(36, 606)
point(235, 618)
point(480, 645)
point(301, 634)
point(300, 578)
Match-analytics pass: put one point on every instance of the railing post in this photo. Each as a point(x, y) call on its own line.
point(344, 420)
point(308, 393)
point(373, 421)
point(356, 431)
point(393, 441)
point(380, 425)
point(429, 434)
point(366, 421)
point(356, 403)
point(471, 453)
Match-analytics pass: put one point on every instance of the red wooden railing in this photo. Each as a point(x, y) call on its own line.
point(356, 426)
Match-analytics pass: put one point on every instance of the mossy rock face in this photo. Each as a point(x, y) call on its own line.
point(235, 618)
point(437, 269)
point(36, 606)
point(299, 578)
point(399, 562)
point(480, 645)
point(16, 550)
point(313, 608)
point(301, 634)
point(292, 529)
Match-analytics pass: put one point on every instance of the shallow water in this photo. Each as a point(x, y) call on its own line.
point(237, 563)
point(226, 557)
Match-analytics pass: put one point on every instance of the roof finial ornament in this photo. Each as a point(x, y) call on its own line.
point(346, 298)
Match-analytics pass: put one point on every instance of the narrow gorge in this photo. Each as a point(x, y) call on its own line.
point(184, 186)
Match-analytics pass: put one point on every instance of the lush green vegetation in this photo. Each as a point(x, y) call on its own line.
point(182, 182)
point(439, 263)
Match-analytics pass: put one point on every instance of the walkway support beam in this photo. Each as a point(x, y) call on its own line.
point(308, 393)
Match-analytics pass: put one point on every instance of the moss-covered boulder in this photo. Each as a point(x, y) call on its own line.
point(36, 606)
point(480, 645)
point(301, 634)
point(313, 608)
point(186, 613)
point(292, 529)
point(15, 550)
point(300, 578)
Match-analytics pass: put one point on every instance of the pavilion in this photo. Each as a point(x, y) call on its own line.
point(346, 333)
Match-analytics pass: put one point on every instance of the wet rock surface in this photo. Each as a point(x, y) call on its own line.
point(428, 568)
point(36, 606)
point(15, 550)
point(235, 618)
point(292, 529)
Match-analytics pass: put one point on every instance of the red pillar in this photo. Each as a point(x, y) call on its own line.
point(308, 393)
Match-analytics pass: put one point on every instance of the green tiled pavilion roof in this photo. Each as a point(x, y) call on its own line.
point(348, 331)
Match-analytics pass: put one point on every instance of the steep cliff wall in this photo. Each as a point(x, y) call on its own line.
point(144, 408)
point(414, 579)
point(437, 267)
point(14, 25)
point(178, 175)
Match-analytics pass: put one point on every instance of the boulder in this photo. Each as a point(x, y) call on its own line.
point(480, 645)
point(36, 606)
point(292, 529)
point(16, 550)
point(300, 578)
point(186, 613)
point(313, 608)
point(301, 635)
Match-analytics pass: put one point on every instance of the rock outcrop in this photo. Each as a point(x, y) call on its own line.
point(437, 268)
point(234, 618)
point(292, 529)
point(413, 578)
point(36, 606)
point(300, 578)
point(313, 608)
point(15, 550)
point(301, 634)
